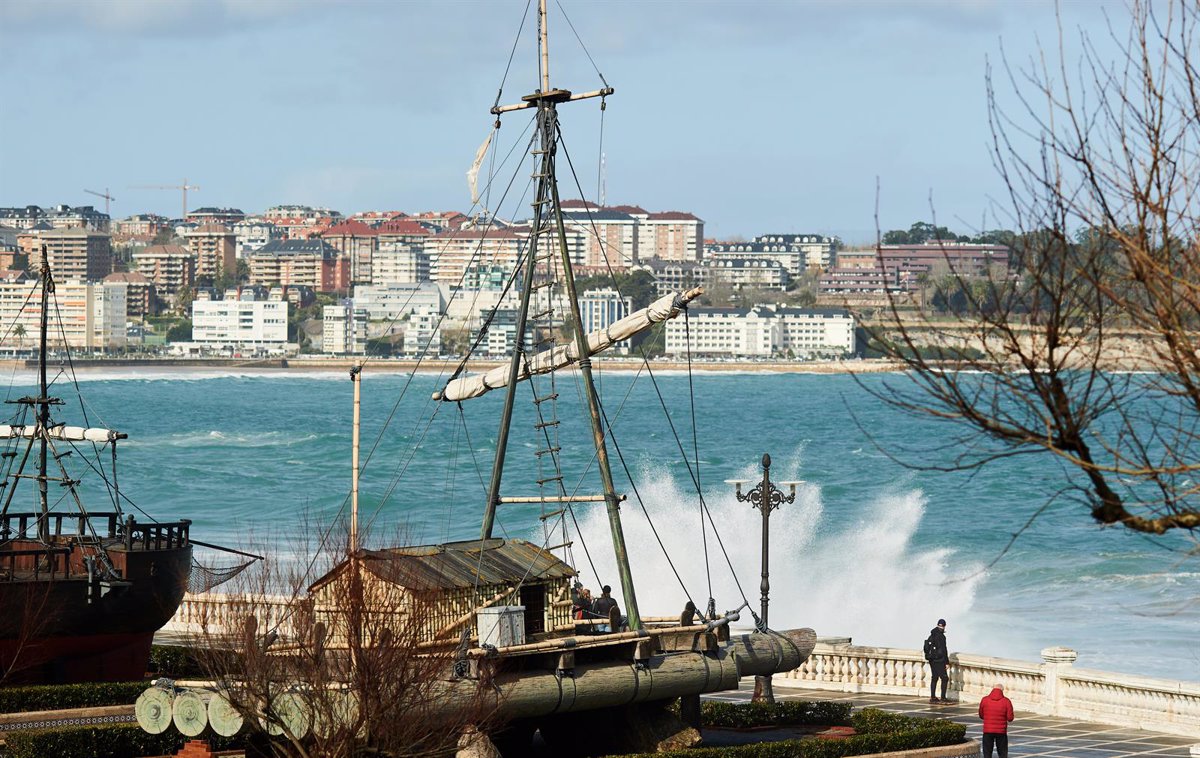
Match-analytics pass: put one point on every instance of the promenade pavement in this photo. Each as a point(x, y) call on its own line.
point(1029, 734)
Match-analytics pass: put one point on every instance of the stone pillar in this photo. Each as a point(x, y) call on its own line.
point(1056, 659)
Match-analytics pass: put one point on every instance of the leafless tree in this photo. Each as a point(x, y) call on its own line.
point(1085, 346)
point(350, 653)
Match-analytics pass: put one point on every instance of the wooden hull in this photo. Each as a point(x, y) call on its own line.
point(67, 628)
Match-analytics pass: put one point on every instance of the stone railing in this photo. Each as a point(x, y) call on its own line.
point(219, 614)
point(1054, 687)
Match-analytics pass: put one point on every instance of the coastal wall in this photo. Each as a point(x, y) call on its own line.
point(1053, 687)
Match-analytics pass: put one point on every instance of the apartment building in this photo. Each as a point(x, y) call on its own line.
point(169, 267)
point(797, 253)
point(344, 329)
point(600, 308)
point(311, 262)
point(671, 236)
point(389, 302)
point(675, 276)
point(748, 272)
point(74, 253)
point(248, 324)
point(901, 268)
point(140, 295)
point(210, 215)
point(453, 253)
point(762, 331)
point(423, 334)
point(253, 234)
point(90, 315)
point(215, 249)
point(56, 217)
point(141, 225)
point(401, 255)
point(357, 242)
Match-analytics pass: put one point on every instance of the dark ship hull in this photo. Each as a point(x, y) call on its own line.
point(60, 622)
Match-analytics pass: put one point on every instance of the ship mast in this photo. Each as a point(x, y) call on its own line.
point(43, 403)
point(548, 220)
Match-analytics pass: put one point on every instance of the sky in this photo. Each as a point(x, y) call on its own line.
point(758, 117)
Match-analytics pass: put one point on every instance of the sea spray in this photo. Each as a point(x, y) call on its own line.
point(854, 573)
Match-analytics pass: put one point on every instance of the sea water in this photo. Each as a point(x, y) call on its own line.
point(869, 549)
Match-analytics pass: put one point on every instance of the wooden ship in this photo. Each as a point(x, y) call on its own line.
point(499, 610)
point(82, 592)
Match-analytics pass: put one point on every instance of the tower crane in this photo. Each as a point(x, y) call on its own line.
point(184, 187)
point(107, 198)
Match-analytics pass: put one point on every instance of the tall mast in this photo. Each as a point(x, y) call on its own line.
point(43, 401)
point(546, 101)
point(356, 377)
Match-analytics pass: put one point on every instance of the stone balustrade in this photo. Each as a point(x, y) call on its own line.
point(1054, 687)
point(218, 614)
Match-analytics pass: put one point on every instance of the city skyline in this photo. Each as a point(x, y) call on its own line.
point(778, 120)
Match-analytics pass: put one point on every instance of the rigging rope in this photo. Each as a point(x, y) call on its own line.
point(687, 330)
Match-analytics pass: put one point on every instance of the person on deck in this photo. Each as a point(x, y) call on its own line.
point(938, 657)
point(687, 618)
point(996, 711)
point(602, 608)
point(581, 606)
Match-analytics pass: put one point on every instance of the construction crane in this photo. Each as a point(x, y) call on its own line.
point(184, 187)
point(107, 198)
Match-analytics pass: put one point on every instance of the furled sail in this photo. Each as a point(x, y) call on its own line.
point(474, 385)
point(65, 433)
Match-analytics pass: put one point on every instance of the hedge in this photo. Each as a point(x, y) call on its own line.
point(789, 713)
point(878, 732)
point(175, 662)
point(54, 697)
point(101, 741)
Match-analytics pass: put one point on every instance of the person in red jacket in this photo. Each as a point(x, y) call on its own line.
point(996, 711)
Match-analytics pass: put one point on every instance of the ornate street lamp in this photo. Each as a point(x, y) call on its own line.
point(766, 497)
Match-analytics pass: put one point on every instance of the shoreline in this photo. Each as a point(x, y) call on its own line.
point(404, 366)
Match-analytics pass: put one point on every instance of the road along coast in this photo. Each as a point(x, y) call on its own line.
point(436, 366)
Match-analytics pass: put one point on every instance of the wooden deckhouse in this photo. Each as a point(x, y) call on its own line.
point(446, 585)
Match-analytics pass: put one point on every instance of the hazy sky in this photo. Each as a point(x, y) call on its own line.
point(758, 117)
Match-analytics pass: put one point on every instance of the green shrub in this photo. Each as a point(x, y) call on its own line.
point(788, 713)
point(53, 697)
point(101, 741)
point(175, 662)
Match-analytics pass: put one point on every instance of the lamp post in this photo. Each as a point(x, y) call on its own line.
point(766, 497)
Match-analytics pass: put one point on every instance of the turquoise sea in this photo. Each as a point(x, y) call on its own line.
point(869, 550)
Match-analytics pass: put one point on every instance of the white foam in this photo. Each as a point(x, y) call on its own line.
point(855, 573)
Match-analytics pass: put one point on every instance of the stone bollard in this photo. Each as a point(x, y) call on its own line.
point(1055, 660)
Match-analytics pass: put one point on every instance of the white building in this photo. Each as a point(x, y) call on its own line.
point(762, 332)
point(254, 234)
point(795, 252)
point(248, 324)
point(600, 308)
point(422, 331)
point(92, 316)
point(763, 273)
point(344, 329)
point(388, 302)
point(400, 262)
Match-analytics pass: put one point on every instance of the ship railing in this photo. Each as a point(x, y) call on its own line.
point(221, 614)
point(57, 563)
point(24, 525)
point(160, 535)
point(1053, 687)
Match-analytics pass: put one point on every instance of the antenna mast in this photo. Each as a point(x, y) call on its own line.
point(548, 220)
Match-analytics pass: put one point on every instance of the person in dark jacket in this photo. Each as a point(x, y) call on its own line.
point(938, 657)
point(688, 617)
point(996, 711)
point(602, 608)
